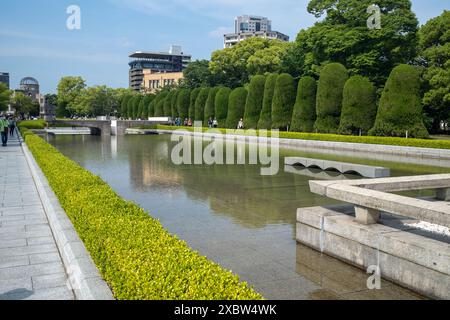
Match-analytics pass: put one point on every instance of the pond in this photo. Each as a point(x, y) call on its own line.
point(232, 214)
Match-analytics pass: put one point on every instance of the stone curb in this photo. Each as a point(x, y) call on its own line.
point(83, 275)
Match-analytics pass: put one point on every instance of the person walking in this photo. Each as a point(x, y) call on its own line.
point(4, 130)
point(12, 126)
point(241, 124)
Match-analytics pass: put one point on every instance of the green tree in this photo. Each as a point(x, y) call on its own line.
point(136, 102)
point(151, 107)
point(435, 53)
point(210, 108)
point(221, 106)
point(159, 103)
point(183, 101)
point(192, 100)
point(304, 115)
point(253, 106)
point(144, 106)
point(69, 88)
point(236, 107)
point(5, 96)
point(265, 119)
point(283, 101)
point(124, 105)
point(343, 36)
point(233, 66)
point(329, 97)
point(400, 109)
point(22, 103)
point(130, 105)
point(168, 104)
point(200, 104)
point(173, 105)
point(197, 74)
point(359, 108)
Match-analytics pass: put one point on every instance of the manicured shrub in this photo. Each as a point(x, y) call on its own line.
point(283, 101)
point(359, 107)
point(221, 106)
point(173, 105)
point(210, 109)
point(167, 109)
point(146, 109)
point(253, 105)
point(32, 124)
point(130, 107)
point(124, 106)
point(136, 102)
point(200, 104)
point(192, 100)
point(400, 108)
point(265, 119)
point(159, 104)
point(236, 107)
point(183, 101)
point(304, 115)
point(136, 256)
point(329, 97)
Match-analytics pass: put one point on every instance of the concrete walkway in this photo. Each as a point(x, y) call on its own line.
point(30, 265)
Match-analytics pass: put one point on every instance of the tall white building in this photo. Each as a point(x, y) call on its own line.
point(252, 26)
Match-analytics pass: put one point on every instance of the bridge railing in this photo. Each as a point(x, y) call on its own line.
point(371, 197)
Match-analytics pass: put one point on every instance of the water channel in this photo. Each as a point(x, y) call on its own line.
point(232, 214)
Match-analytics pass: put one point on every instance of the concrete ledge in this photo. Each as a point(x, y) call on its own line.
point(82, 273)
point(410, 260)
point(342, 167)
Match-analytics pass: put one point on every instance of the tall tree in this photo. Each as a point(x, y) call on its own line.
point(5, 96)
point(236, 107)
point(265, 119)
point(343, 36)
point(283, 101)
point(69, 88)
point(192, 100)
point(22, 103)
point(210, 109)
point(304, 115)
point(197, 74)
point(200, 104)
point(254, 102)
point(435, 55)
point(183, 101)
point(221, 106)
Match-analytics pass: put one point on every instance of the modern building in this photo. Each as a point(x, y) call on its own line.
point(153, 81)
point(174, 61)
point(252, 26)
point(4, 78)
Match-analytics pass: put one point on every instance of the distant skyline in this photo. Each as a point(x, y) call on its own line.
point(35, 41)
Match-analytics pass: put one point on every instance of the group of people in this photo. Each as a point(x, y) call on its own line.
point(7, 127)
point(212, 123)
point(186, 122)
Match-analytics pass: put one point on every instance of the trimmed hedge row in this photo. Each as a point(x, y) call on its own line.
point(390, 141)
point(32, 124)
point(137, 257)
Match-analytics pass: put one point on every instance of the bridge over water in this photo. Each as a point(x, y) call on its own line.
point(110, 127)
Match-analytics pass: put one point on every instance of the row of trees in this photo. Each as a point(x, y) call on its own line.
point(336, 103)
point(21, 103)
point(342, 36)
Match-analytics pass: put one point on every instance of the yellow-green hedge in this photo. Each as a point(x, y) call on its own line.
point(32, 124)
point(403, 142)
point(137, 257)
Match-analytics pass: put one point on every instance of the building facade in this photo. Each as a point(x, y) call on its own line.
point(4, 78)
point(174, 61)
point(30, 87)
point(252, 26)
point(153, 81)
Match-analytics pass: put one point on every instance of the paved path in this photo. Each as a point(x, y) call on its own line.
point(30, 265)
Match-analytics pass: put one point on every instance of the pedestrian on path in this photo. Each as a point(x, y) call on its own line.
point(4, 130)
point(12, 126)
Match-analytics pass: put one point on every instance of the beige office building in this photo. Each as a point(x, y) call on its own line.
point(153, 81)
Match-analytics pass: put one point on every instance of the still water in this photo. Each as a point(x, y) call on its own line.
point(232, 214)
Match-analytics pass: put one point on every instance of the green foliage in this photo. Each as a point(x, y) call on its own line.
point(435, 53)
point(144, 106)
point(210, 109)
point(304, 115)
point(236, 107)
point(183, 101)
point(391, 141)
point(151, 108)
point(159, 103)
point(400, 108)
point(5, 96)
point(168, 104)
point(69, 88)
point(22, 103)
point(32, 124)
point(173, 105)
point(253, 106)
point(221, 105)
point(136, 256)
point(265, 119)
point(359, 108)
point(136, 101)
point(124, 106)
point(197, 74)
point(234, 66)
point(329, 97)
point(283, 101)
point(200, 104)
point(343, 36)
point(192, 100)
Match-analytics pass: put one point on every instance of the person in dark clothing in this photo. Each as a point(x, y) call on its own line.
point(12, 126)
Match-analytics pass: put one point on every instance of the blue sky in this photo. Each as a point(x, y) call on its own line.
point(34, 40)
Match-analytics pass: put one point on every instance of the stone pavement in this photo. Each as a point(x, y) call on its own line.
point(30, 265)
